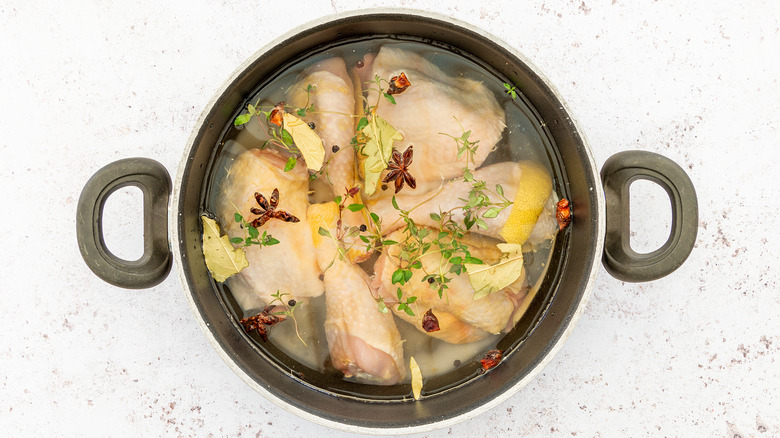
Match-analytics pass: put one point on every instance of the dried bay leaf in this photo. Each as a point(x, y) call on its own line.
point(487, 279)
point(416, 378)
point(221, 258)
point(380, 136)
point(306, 140)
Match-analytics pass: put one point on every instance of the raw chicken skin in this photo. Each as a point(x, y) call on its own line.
point(289, 266)
point(334, 103)
point(364, 343)
point(333, 97)
point(461, 318)
point(435, 103)
point(450, 196)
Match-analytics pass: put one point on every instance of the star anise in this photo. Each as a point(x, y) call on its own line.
point(262, 322)
point(268, 210)
point(398, 84)
point(399, 169)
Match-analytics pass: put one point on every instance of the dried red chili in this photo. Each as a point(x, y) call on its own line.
point(429, 322)
point(268, 210)
point(275, 116)
point(491, 359)
point(563, 213)
point(398, 84)
point(399, 169)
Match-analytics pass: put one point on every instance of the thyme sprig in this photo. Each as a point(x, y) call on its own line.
point(482, 203)
point(289, 310)
point(464, 145)
point(276, 134)
point(252, 235)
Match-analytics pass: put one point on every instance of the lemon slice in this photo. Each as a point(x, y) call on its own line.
point(533, 190)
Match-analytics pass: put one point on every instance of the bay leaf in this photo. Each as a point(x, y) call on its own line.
point(487, 279)
point(222, 259)
point(306, 140)
point(380, 137)
point(416, 378)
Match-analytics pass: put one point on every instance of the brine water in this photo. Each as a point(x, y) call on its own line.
point(443, 365)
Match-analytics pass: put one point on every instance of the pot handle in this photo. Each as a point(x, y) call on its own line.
point(618, 173)
point(155, 184)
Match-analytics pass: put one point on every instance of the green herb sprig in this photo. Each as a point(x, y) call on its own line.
point(482, 201)
point(252, 236)
point(289, 310)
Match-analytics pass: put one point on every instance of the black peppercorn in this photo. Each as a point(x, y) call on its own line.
point(291, 303)
point(335, 148)
point(312, 125)
point(363, 228)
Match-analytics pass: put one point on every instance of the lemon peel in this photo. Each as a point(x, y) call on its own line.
point(533, 191)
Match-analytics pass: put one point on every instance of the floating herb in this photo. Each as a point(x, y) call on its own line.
point(253, 236)
point(464, 145)
point(487, 279)
point(510, 90)
point(307, 141)
point(378, 137)
point(417, 380)
point(222, 259)
point(287, 310)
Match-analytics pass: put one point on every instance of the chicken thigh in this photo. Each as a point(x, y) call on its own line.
point(450, 196)
point(435, 104)
point(364, 343)
point(461, 318)
point(289, 266)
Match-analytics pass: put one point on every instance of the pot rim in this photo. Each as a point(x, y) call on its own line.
point(175, 215)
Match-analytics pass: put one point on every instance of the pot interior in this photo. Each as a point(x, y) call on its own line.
point(466, 389)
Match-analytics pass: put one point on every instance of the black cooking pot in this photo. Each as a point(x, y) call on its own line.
point(600, 230)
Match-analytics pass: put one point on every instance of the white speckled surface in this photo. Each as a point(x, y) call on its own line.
point(83, 83)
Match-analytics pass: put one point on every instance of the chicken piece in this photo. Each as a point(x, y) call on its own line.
point(450, 196)
point(435, 103)
point(461, 318)
point(289, 266)
point(333, 97)
point(546, 226)
point(364, 342)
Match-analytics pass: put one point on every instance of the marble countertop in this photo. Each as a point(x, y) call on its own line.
point(84, 83)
